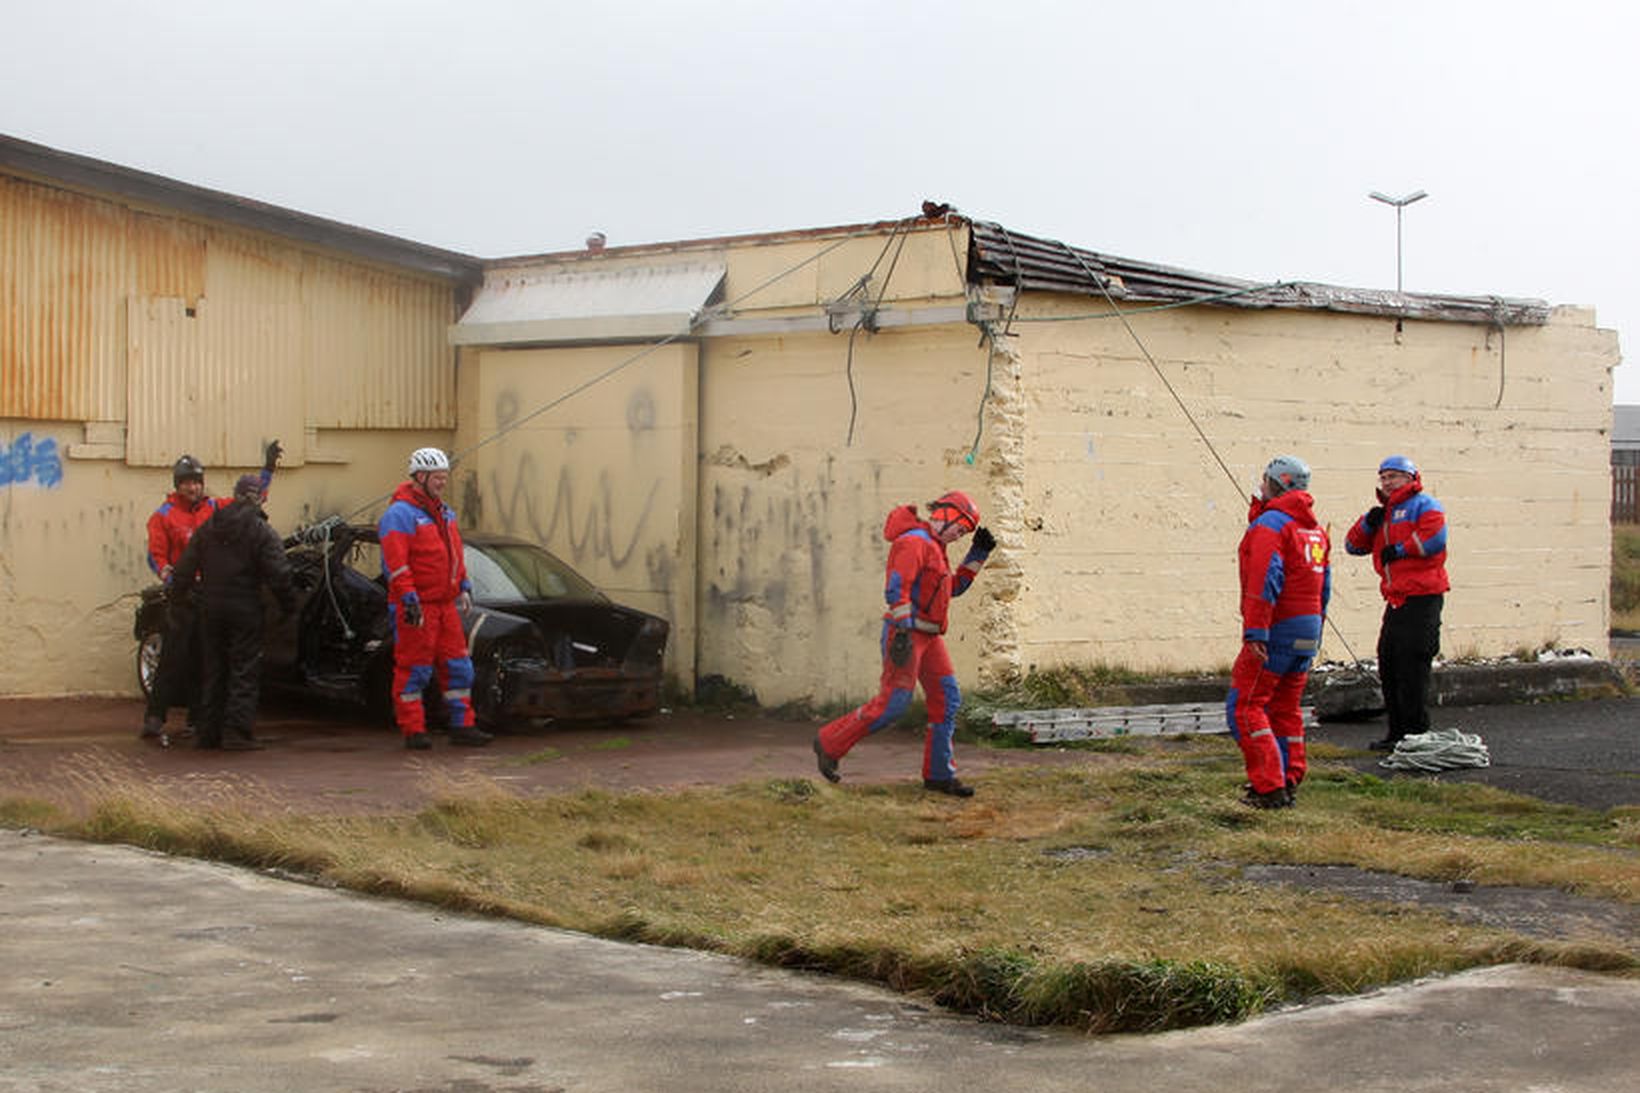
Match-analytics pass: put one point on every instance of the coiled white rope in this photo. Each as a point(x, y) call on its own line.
point(1441, 749)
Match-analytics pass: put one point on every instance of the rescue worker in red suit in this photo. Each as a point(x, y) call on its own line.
point(918, 589)
point(427, 593)
point(178, 676)
point(1286, 580)
point(1406, 535)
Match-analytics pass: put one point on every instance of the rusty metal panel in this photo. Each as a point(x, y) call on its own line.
point(220, 375)
point(377, 355)
point(280, 341)
point(58, 317)
point(207, 339)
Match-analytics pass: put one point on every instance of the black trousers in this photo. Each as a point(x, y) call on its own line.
point(177, 680)
point(1407, 643)
point(233, 670)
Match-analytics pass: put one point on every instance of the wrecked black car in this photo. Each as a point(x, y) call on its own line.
point(545, 642)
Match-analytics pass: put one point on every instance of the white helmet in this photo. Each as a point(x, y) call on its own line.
point(428, 459)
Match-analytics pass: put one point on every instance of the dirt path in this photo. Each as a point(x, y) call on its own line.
point(339, 764)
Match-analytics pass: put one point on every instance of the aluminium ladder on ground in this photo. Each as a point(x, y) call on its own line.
point(1109, 722)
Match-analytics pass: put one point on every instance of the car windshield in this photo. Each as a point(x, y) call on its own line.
point(517, 571)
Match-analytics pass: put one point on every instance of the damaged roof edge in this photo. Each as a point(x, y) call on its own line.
point(1045, 265)
point(99, 176)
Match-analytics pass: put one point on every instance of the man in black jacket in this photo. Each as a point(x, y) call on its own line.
point(234, 553)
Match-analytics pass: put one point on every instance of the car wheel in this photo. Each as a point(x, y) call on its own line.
point(148, 650)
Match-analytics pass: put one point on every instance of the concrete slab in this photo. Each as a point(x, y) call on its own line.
point(134, 972)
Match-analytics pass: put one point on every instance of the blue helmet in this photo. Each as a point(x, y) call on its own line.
point(1398, 463)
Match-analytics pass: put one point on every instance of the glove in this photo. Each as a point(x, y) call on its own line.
point(1374, 518)
point(1390, 553)
point(984, 540)
point(464, 602)
point(899, 648)
point(270, 456)
point(412, 611)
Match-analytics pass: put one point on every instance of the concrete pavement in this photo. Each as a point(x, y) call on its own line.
point(130, 971)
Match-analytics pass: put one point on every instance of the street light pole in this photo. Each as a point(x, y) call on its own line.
point(1399, 203)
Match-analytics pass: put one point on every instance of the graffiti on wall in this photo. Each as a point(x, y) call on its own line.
point(524, 504)
point(29, 461)
point(578, 505)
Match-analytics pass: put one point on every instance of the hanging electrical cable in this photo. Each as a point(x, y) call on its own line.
point(868, 312)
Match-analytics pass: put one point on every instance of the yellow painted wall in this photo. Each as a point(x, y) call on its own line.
point(73, 543)
point(792, 506)
point(1132, 526)
point(605, 479)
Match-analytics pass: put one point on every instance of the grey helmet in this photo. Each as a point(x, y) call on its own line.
point(185, 468)
point(1287, 472)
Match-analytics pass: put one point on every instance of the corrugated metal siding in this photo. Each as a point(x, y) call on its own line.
point(207, 339)
point(63, 261)
point(377, 354)
point(220, 381)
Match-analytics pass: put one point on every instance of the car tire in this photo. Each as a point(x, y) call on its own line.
point(148, 651)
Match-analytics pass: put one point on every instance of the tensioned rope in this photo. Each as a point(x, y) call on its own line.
point(1099, 282)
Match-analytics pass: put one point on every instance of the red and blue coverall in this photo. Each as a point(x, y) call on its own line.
point(918, 588)
point(423, 562)
point(1286, 581)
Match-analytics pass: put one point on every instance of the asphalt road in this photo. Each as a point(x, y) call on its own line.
point(1579, 753)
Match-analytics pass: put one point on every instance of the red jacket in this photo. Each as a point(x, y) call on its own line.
point(174, 523)
point(1414, 531)
point(421, 548)
point(919, 583)
point(1286, 569)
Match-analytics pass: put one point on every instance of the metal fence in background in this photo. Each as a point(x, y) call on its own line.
point(1626, 493)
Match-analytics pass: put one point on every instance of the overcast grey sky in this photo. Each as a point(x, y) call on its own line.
point(1235, 138)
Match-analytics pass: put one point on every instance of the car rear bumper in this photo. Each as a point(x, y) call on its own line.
point(531, 689)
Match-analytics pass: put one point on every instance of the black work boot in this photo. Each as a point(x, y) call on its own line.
point(468, 737)
point(827, 765)
point(1276, 798)
point(417, 741)
point(950, 786)
point(152, 728)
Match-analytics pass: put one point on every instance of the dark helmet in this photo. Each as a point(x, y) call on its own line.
point(185, 468)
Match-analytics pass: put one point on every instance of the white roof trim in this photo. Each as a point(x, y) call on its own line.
point(524, 307)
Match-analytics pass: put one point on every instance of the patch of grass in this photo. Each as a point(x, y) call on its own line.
point(1106, 895)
